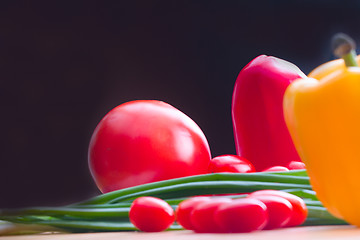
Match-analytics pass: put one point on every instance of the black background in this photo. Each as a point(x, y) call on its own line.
point(64, 65)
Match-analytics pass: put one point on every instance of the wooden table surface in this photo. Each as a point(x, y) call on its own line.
point(318, 232)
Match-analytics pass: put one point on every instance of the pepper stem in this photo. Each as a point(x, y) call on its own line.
point(343, 47)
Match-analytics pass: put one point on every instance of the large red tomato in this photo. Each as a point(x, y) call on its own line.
point(145, 141)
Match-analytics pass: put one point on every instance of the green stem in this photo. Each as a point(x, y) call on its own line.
point(343, 46)
point(75, 212)
point(320, 221)
point(350, 59)
point(82, 225)
point(259, 177)
point(303, 193)
point(318, 215)
point(208, 187)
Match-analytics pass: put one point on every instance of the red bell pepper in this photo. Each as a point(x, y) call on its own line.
point(261, 135)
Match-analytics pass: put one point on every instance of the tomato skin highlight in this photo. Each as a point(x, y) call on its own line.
point(202, 216)
point(150, 214)
point(145, 141)
point(184, 210)
point(293, 165)
point(276, 169)
point(242, 215)
point(230, 163)
point(300, 210)
point(279, 210)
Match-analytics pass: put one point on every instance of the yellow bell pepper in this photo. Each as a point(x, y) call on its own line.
point(322, 113)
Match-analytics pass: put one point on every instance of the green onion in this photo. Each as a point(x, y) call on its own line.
point(109, 212)
point(263, 178)
point(121, 212)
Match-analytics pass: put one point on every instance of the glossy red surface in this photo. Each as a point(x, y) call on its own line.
point(150, 214)
point(279, 210)
point(184, 210)
point(203, 216)
point(145, 141)
point(261, 135)
point(242, 215)
point(299, 212)
point(230, 163)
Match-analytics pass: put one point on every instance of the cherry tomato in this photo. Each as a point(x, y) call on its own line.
point(145, 141)
point(202, 216)
point(184, 209)
point(300, 210)
point(230, 163)
point(279, 209)
point(242, 215)
point(293, 165)
point(276, 169)
point(150, 214)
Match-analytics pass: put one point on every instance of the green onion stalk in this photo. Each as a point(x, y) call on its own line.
point(110, 211)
